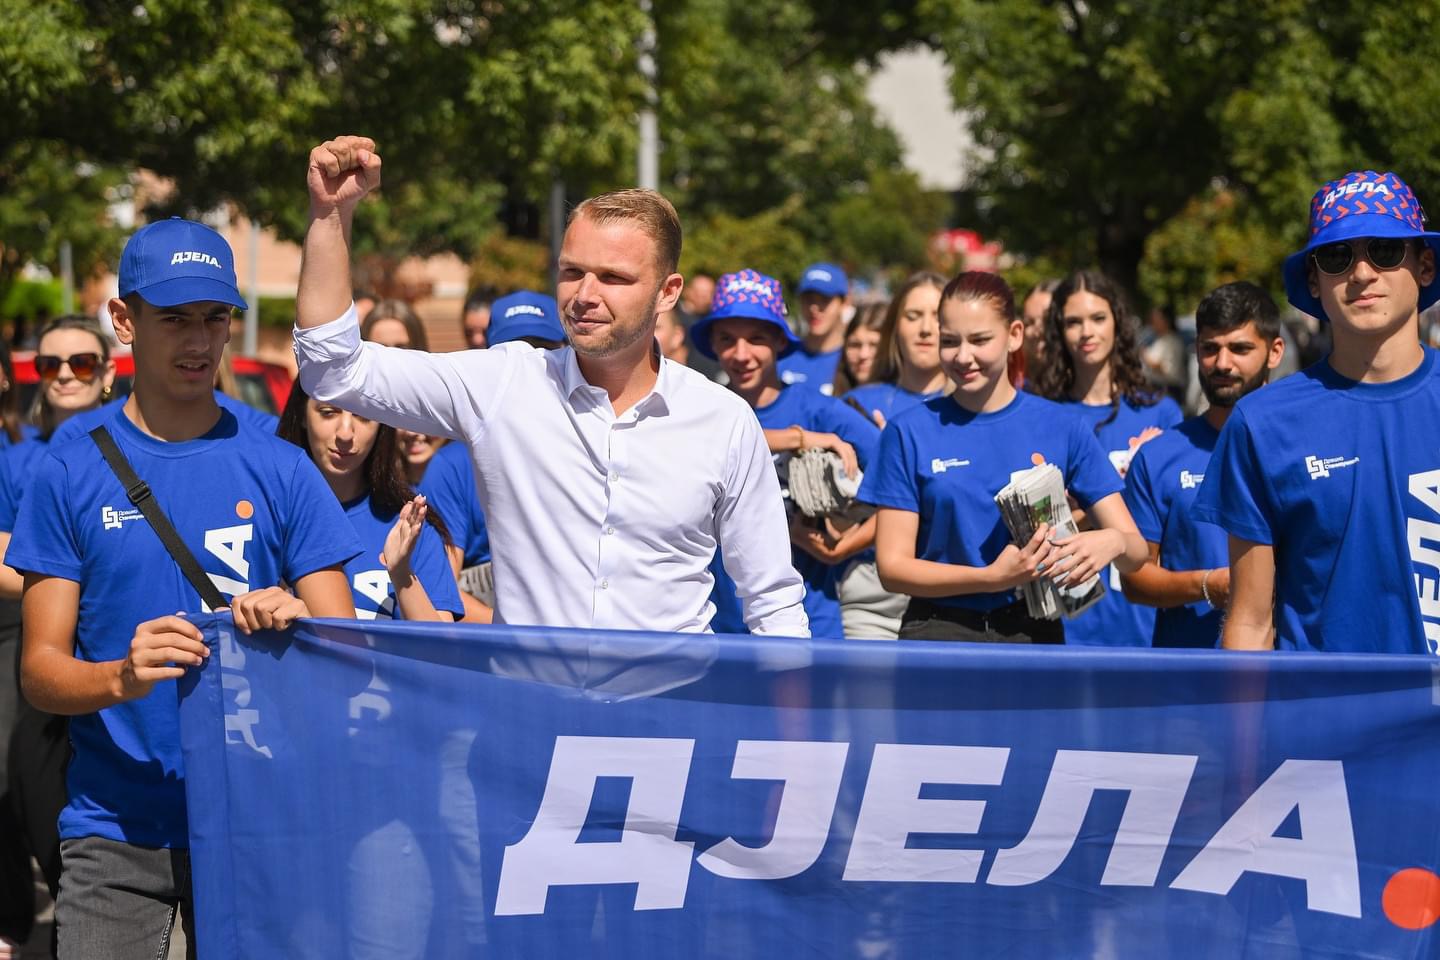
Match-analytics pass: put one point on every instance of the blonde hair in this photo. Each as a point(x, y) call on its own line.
point(655, 215)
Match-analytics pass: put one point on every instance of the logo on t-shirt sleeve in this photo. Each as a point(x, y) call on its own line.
point(1189, 481)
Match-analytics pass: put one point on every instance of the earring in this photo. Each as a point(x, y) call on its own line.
point(105, 394)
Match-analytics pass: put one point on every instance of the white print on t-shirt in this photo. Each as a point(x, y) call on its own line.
point(113, 519)
point(1189, 481)
point(940, 466)
point(1320, 469)
point(1423, 539)
point(374, 585)
point(227, 544)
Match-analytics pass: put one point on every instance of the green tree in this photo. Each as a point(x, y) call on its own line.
point(469, 101)
point(476, 106)
point(1100, 122)
point(49, 196)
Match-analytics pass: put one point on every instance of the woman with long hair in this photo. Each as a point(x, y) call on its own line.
point(1093, 364)
point(392, 323)
point(940, 536)
point(76, 374)
point(358, 460)
point(395, 324)
point(861, 347)
point(907, 369)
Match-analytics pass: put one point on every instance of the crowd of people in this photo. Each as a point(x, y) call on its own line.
point(643, 452)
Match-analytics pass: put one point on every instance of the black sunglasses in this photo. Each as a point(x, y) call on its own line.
point(1385, 253)
point(83, 365)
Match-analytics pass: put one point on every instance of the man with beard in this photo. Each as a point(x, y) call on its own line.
point(609, 475)
point(1188, 576)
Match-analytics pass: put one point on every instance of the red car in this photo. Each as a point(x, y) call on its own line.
point(264, 386)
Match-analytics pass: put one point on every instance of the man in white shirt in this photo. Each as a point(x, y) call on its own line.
point(609, 474)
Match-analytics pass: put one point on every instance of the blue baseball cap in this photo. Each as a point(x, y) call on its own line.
point(749, 295)
point(825, 279)
point(1362, 204)
point(524, 313)
point(175, 261)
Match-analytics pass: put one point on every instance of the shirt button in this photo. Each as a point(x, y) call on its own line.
point(609, 531)
point(604, 584)
point(614, 475)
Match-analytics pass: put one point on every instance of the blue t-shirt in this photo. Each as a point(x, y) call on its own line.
point(888, 399)
point(814, 371)
point(449, 485)
point(254, 511)
point(815, 412)
point(370, 581)
point(1160, 490)
point(82, 423)
point(1115, 621)
point(946, 464)
point(27, 432)
point(17, 463)
point(1343, 480)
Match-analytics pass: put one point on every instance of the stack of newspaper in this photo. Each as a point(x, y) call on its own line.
point(1033, 497)
point(819, 487)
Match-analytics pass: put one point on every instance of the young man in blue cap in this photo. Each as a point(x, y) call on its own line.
point(1328, 482)
point(1237, 344)
point(103, 643)
point(747, 333)
point(824, 294)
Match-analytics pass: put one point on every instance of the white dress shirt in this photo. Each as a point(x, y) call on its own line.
point(595, 520)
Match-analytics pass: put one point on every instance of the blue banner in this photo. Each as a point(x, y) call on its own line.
point(398, 790)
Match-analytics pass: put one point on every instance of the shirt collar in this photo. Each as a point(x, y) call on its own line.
point(655, 403)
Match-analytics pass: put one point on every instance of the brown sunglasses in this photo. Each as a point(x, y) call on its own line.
point(82, 365)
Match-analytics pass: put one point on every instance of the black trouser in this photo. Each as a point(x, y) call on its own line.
point(32, 795)
point(1011, 624)
point(17, 884)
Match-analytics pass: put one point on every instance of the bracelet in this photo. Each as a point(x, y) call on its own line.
point(1205, 586)
point(799, 437)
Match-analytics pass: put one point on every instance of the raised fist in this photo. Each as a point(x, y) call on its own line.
point(341, 172)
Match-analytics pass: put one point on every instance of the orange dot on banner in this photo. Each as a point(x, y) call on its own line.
point(1412, 899)
point(244, 509)
point(1037, 459)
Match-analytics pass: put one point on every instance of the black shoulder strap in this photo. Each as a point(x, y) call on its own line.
point(139, 493)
